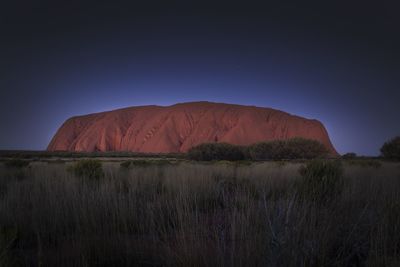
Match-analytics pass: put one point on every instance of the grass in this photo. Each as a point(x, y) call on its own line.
point(191, 214)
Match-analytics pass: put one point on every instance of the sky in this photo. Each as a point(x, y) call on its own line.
point(335, 61)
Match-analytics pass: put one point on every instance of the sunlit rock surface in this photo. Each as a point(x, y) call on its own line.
point(178, 127)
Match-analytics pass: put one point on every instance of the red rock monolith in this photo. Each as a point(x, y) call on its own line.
point(179, 127)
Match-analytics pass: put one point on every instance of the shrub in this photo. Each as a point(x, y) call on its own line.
point(295, 148)
point(17, 168)
point(216, 151)
point(365, 163)
point(125, 164)
point(350, 155)
point(391, 149)
point(262, 151)
point(144, 163)
point(88, 168)
point(305, 148)
point(321, 181)
point(16, 163)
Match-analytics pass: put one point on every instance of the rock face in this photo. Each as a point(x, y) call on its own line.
point(178, 127)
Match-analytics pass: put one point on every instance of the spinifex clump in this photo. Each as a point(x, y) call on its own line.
point(88, 168)
point(321, 181)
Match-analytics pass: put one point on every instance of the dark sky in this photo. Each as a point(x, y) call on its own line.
point(335, 61)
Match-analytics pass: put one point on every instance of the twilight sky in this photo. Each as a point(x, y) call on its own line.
point(335, 61)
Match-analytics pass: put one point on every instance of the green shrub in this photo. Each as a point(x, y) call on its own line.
point(224, 162)
point(236, 163)
point(365, 163)
point(295, 148)
point(216, 151)
point(321, 181)
point(391, 149)
point(280, 163)
point(88, 168)
point(55, 161)
point(16, 163)
point(263, 150)
point(305, 148)
point(125, 164)
point(350, 155)
point(17, 168)
point(144, 163)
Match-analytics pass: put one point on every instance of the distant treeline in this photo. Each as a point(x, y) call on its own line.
point(295, 148)
point(97, 154)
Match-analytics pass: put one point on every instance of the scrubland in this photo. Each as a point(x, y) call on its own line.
point(186, 213)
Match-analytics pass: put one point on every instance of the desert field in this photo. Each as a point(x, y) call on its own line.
point(182, 213)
